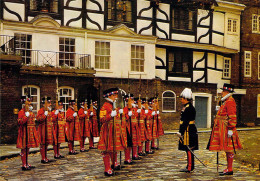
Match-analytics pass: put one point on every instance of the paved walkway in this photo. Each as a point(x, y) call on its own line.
point(163, 165)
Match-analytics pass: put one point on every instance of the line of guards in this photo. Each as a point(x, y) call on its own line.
point(130, 128)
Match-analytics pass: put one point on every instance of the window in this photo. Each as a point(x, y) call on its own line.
point(102, 55)
point(232, 25)
point(119, 10)
point(23, 44)
point(66, 94)
point(34, 92)
point(137, 58)
point(51, 6)
point(227, 68)
point(179, 62)
point(255, 23)
point(259, 65)
point(258, 105)
point(168, 101)
point(247, 66)
point(183, 19)
point(67, 52)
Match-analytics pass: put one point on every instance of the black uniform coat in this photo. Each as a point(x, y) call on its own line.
point(188, 129)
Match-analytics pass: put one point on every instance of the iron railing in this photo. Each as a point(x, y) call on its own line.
point(7, 45)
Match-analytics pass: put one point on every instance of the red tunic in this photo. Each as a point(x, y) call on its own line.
point(59, 123)
point(157, 127)
point(225, 120)
point(93, 126)
point(84, 119)
point(107, 134)
point(149, 124)
point(72, 133)
point(51, 136)
point(135, 132)
point(32, 136)
point(142, 126)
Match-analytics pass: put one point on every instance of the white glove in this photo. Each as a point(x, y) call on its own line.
point(230, 133)
point(46, 113)
point(85, 112)
point(133, 105)
point(27, 114)
point(74, 114)
point(153, 113)
point(121, 111)
point(91, 113)
point(179, 134)
point(139, 110)
point(56, 112)
point(158, 112)
point(113, 113)
point(49, 108)
point(146, 111)
point(130, 113)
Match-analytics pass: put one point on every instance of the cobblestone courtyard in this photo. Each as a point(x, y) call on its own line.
point(163, 165)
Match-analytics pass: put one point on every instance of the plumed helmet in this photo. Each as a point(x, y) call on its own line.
point(186, 93)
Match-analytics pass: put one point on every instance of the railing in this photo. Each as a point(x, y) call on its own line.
point(7, 45)
point(57, 59)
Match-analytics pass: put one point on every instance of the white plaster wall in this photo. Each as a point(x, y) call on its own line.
point(203, 31)
point(181, 37)
point(219, 22)
point(18, 8)
point(74, 3)
point(211, 60)
point(198, 75)
point(142, 24)
point(161, 53)
point(216, 77)
point(99, 18)
point(94, 6)
point(179, 79)
point(232, 39)
point(201, 14)
point(166, 9)
point(220, 62)
point(163, 26)
point(217, 39)
point(141, 4)
point(68, 15)
point(197, 56)
point(160, 73)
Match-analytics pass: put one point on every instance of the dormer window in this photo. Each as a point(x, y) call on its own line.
point(45, 6)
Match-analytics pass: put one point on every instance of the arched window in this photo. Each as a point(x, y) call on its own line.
point(34, 92)
point(168, 101)
point(66, 94)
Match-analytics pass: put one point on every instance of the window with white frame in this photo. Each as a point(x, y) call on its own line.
point(66, 94)
point(232, 25)
point(259, 65)
point(23, 44)
point(137, 58)
point(168, 101)
point(102, 55)
point(255, 23)
point(227, 68)
point(67, 52)
point(34, 92)
point(247, 64)
point(258, 105)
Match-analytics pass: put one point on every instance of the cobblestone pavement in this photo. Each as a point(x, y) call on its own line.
point(163, 165)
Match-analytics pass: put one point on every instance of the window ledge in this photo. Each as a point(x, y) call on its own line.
point(104, 70)
point(137, 73)
point(168, 111)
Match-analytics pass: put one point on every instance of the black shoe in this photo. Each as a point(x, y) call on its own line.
point(26, 168)
point(61, 156)
point(141, 154)
point(56, 157)
point(31, 167)
point(108, 174)
point(186, 170)
point(128, 163)
point(115, 168)
point(84, 150)
point(73, 153)
point(155, 148)
point(149, 152)
point(136, 158)
point(226, 173)
point(44, 161)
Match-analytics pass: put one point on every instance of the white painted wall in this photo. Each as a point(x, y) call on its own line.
point(217, 39)
point(164, 27)
point(197, 56)
point(211, 60)
point(190, 38)
point(142, 24)
point(231, 40)
point(141, 4)
point(203, 31)
point(166, 9)
point(93, 6)
point(99, 18)
point(74, 3)
point(203, 13)
point(69, 14)
point(219, 22)
point(18, 8)
point(197, 75)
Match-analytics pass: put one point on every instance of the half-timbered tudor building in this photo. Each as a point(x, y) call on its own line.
point(147, 47)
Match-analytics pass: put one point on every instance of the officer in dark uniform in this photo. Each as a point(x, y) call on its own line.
point(188, 130)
